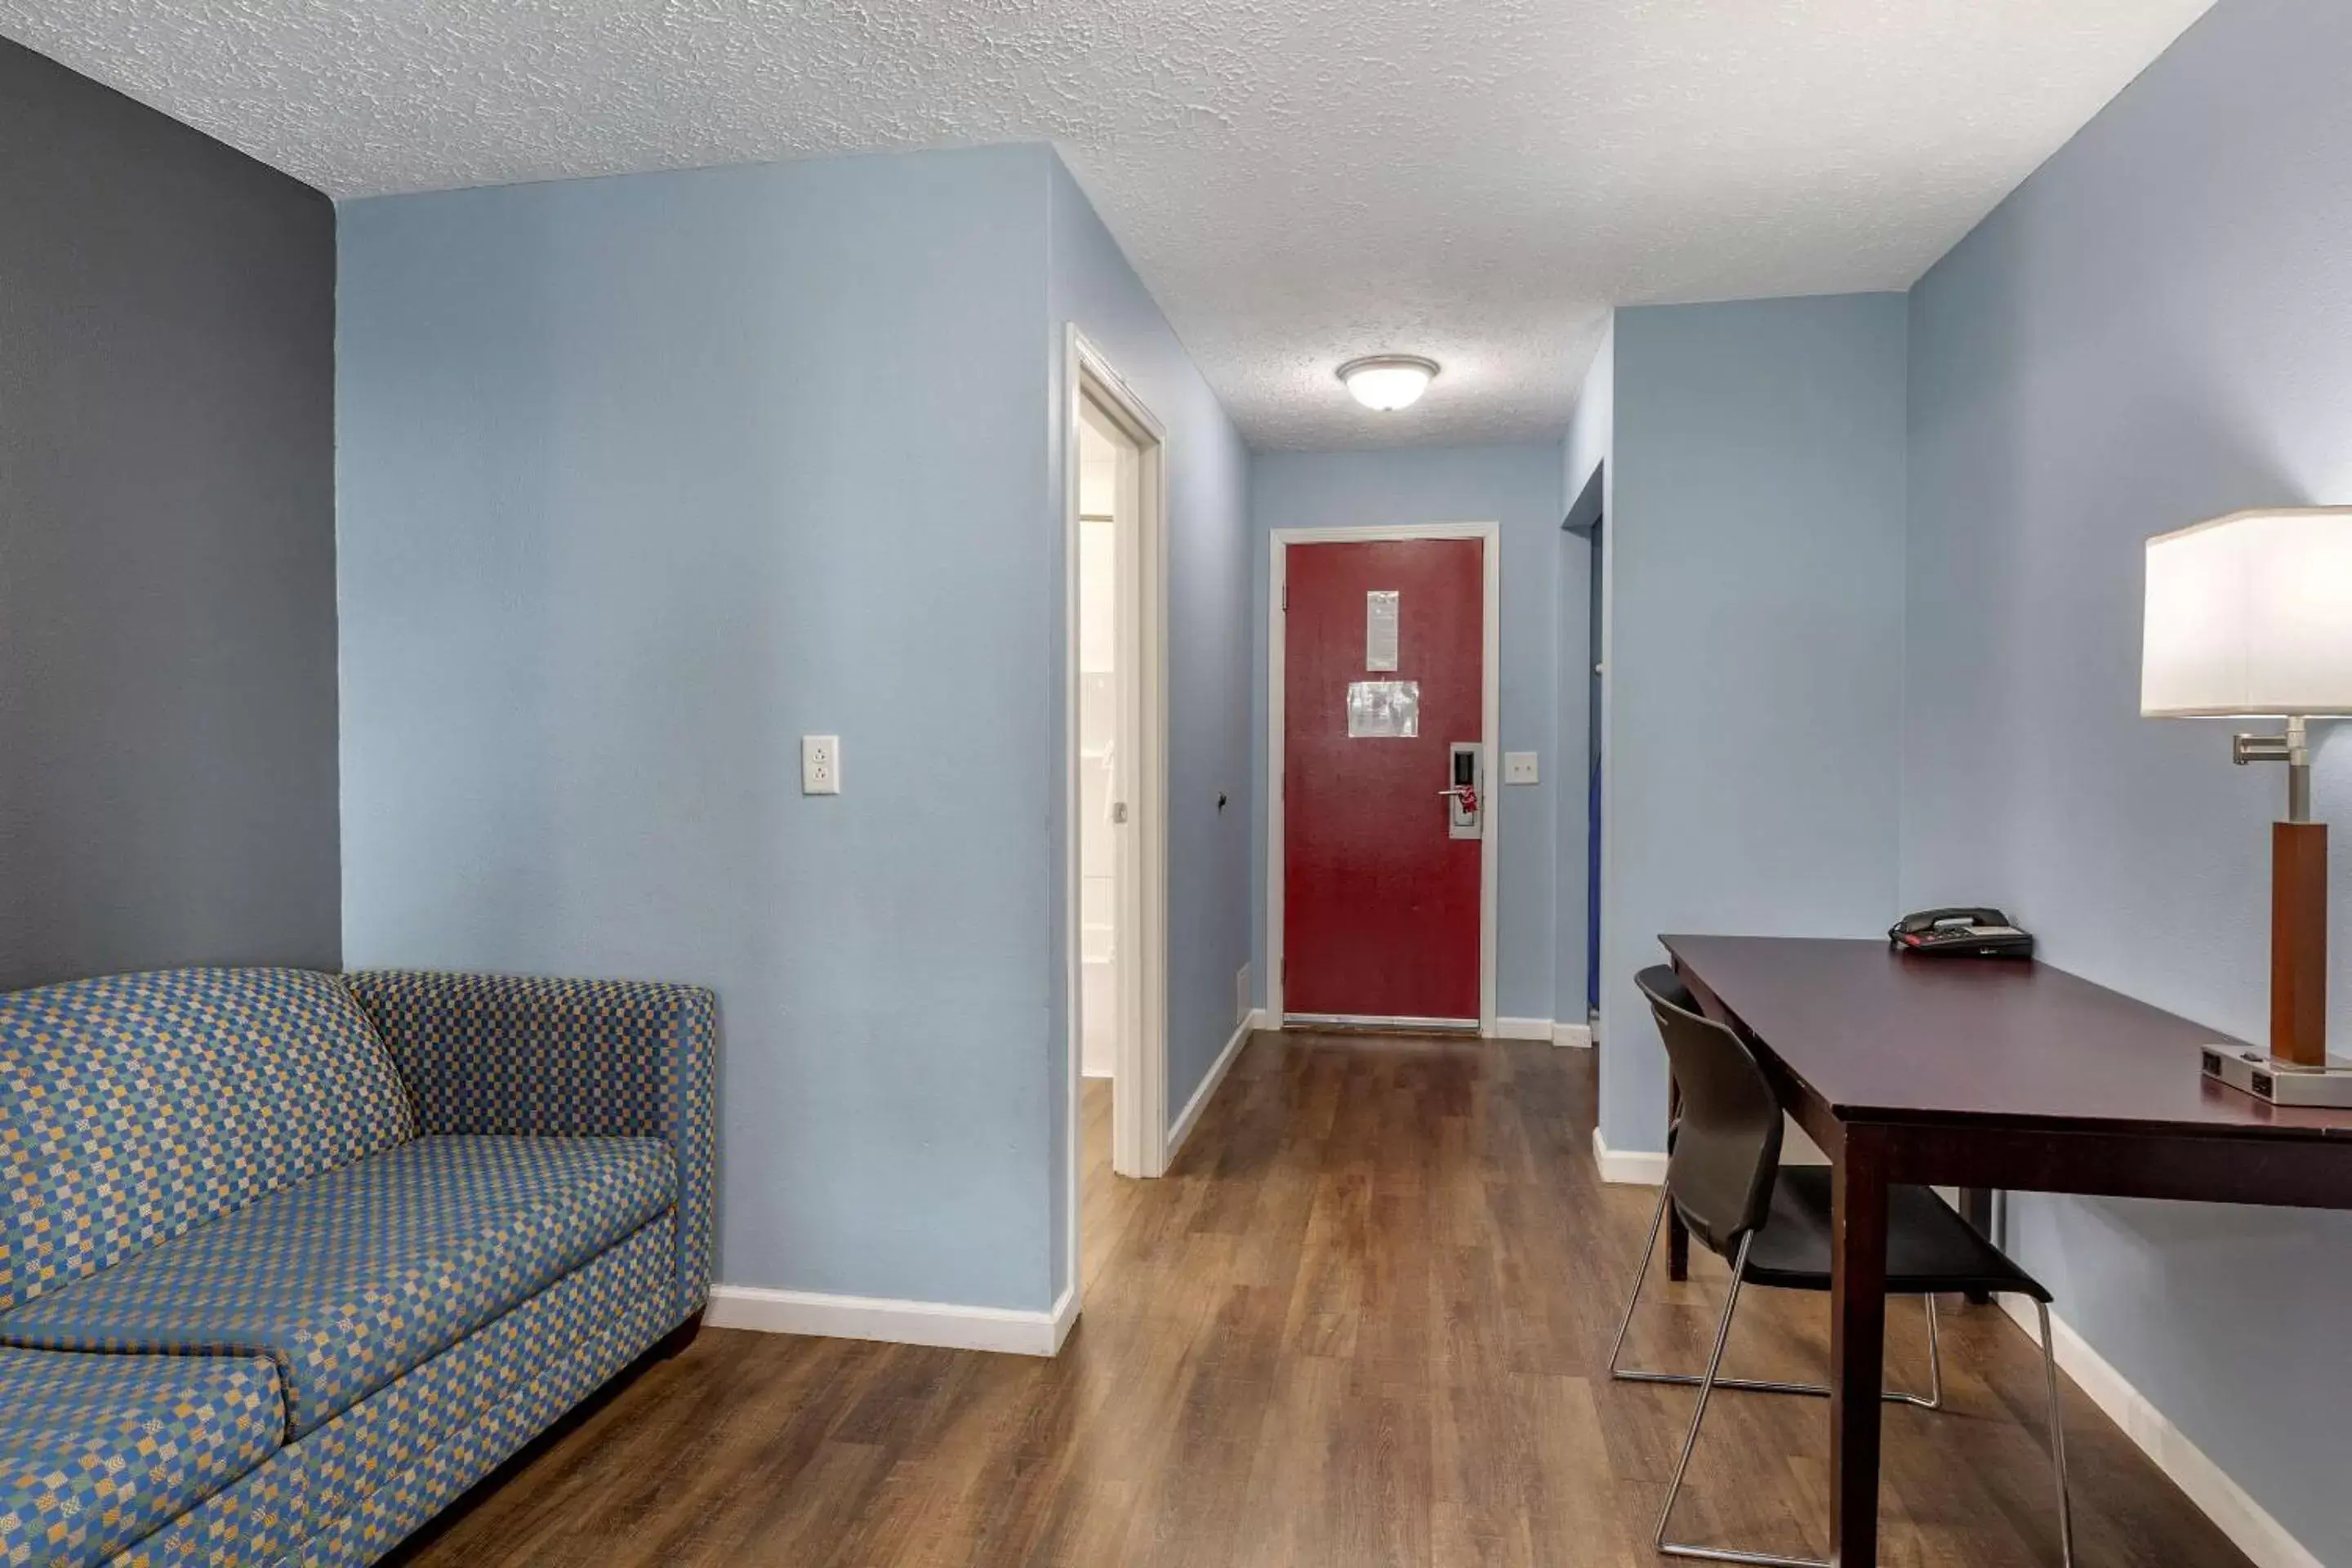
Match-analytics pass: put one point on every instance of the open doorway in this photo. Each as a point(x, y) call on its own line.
point(1116, 785)
point(1596, 649)
point(1582, 686)
point(1108, 465)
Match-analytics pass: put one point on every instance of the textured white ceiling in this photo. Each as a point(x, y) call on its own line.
point(1474, 180)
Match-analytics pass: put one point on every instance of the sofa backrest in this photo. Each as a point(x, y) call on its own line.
point(135, 1107)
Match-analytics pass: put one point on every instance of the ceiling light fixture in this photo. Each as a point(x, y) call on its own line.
point(1387, 382)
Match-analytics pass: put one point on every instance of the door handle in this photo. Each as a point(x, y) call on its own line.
point(1465, 814)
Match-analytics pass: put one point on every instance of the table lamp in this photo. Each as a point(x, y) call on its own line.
point(2251, 616)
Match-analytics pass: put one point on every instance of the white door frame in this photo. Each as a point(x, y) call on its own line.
point(1139, 1089)
point(1490, 822)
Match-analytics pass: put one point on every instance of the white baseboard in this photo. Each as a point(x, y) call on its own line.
point(1064, 1318)
point(940, 1323)
point(2246, 1522)
point(1578, 1036)
point(1259, 1018)
point(1627, 1168)
point(1208, 1090)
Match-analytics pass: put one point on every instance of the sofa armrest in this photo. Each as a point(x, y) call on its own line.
point(511, 1054)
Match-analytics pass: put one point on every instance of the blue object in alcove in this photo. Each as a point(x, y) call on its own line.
point(1592, 894)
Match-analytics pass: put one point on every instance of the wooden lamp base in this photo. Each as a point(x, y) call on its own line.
point(2297, 1069)
point(2299, 944)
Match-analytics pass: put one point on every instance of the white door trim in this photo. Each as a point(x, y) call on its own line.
point(1490, 849)
point(1139, 1092)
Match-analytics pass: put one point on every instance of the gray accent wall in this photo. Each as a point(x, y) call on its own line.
point(1754, 609)
point(1519, 487)
point(2156, 329)
point(167, 610)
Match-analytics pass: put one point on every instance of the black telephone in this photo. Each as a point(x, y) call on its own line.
point(1960, 933)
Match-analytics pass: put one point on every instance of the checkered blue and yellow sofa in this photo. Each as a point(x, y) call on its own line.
point(291, 1259)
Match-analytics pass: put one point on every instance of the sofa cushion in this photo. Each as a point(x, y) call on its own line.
point(463, 1402)
point(98, 1450)
point(136, 1107)
point(350, 1279)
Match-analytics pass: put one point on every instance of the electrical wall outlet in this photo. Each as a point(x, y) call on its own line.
point(820, 765)
point(1518, 767)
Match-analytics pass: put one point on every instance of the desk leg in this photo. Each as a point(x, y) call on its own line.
point(1857, 1347)
point(1976, 1207)
point(1677, 1233)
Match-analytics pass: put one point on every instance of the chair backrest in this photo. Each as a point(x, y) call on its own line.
point(1725, 1149)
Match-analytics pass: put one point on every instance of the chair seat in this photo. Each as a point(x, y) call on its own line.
point(1930, 1249)
point(350, 1279)
point(98, 1450)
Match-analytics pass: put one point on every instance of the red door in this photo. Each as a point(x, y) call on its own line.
point(1384, 714)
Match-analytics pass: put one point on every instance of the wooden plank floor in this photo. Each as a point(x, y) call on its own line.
point(1364, 1322)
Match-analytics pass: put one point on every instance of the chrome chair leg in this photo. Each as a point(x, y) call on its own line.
point(2057, 1437)
point(1641, 1273)
point(1712, 1379)
point(1706, 1386)
point(1934, 1399)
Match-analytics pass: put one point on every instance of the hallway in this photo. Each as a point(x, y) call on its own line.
point(1361, 1324)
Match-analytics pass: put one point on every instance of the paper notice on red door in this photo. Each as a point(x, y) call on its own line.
point(1380, 607)
point(1384, 709)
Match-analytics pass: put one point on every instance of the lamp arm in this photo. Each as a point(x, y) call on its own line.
point(2293, 748)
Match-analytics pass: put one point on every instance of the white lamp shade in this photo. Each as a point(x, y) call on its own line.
point(2250, 614)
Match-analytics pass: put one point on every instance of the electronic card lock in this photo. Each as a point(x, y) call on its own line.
point(1466, 801)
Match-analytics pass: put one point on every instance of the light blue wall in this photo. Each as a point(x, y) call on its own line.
point(1754, 622)
point(1208, 546)
point(1518, 486)
point(2155, 329)
point(640, 478)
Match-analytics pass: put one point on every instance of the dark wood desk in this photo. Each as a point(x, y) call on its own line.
point(1982, 1073)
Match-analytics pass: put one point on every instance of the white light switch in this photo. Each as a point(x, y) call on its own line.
point(820, 765)
point(1518, 767)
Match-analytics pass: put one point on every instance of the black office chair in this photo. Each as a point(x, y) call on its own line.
point(1725, 1179)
